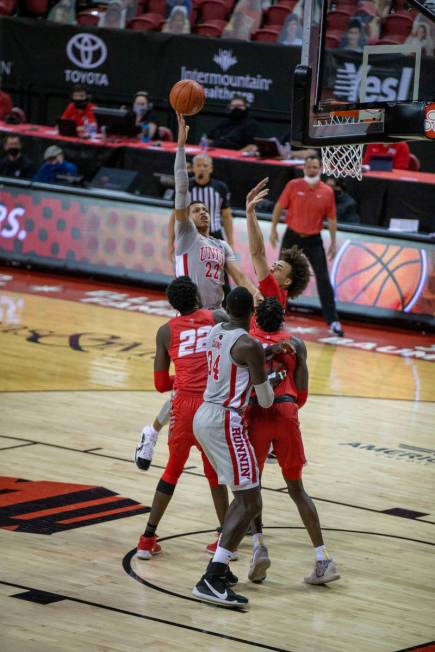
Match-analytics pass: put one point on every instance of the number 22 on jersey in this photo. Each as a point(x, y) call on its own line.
point(193, 340)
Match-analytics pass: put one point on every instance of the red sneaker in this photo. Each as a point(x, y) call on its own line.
point(147, 547)
point(211, 549)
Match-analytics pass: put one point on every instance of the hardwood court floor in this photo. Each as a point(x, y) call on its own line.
point(76, 389)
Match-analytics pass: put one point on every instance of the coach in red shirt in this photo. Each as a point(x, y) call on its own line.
point(307, 202)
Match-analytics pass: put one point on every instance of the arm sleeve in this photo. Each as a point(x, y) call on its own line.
point(285, 196)
point(264, 394)
point(185, 235)
point(402, 157)
point(269, 287)
point(229, 253)
point(163, 382)
point(181, 180)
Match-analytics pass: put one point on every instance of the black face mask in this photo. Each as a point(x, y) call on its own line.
point(238, 114)
point(14, 151)
point(80, 104)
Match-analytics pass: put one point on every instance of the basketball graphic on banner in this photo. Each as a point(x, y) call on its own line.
point(379, 275)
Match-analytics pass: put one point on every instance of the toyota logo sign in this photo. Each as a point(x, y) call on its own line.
point(86, 50)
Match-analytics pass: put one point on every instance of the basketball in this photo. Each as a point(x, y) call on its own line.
point(187, 97)
point(379, 275)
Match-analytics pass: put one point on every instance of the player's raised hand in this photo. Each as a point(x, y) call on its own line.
point(183, 130)
point(257, 194)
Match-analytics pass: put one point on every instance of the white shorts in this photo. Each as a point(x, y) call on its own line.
point(223, 437)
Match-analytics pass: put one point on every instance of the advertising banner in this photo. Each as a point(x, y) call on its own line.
point(86, 233)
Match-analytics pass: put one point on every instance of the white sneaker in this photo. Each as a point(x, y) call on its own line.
point(260, 562)
point(324, 571)
point(335, 328)
point(145, 448)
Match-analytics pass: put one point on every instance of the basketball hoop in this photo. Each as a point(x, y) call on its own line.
point(342, 160)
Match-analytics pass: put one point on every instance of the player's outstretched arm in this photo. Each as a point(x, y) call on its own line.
point(257, 247)
point(301, 372)
point(163, 382)
point(249, 352)
point(180, 172)
point(239, 277)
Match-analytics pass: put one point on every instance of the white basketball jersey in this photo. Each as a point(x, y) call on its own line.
point(228, 383)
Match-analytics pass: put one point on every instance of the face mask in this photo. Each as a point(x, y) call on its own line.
point(237, 114)
point(14, 151)
point(312, 180)
point(80, 104)
point(139, 110)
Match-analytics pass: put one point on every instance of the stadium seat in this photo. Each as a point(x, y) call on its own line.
point(7, 7)
point(397, 24)
point(414, 163)
point(266, 34)
point(276, 15)
point(157, 7)
point(213, 10)
point(290, 4)
point(209, 29)
point(164, 133)
point(147, 22)
point(36, 7)
point(88, 17)
point(391, 39)
point(332, 40)
point(338, 20)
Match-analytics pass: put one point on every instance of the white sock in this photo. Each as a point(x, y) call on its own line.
point(321, 553)
point(222, 555)
point(257, 540)
point(153, 430)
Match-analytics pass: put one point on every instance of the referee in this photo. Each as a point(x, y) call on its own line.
point(307, 202)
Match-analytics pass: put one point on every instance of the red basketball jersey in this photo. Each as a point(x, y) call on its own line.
point(187, 349)
point(287, 386)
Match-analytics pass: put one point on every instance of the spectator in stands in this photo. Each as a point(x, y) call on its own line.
point(245, 20)
point(14, 163)
point(80, 110)
point(398, 152)
point(5, 103)
point(170, 4)
point(178, 22)
point(145, 117)
point(238, 130)
point(291, 32)
point(421, 37)
point(54, 167)
point(354, 38)
point(114, 16)
point(367, 13)
point(63, 12)
point(347, 208)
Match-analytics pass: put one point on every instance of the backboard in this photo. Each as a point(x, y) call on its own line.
point(367, 72)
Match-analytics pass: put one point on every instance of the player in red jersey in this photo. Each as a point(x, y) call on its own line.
point(279, 424)
point(182, 340)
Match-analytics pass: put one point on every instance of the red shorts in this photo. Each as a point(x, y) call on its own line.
point(278, 425)
point(181, 439)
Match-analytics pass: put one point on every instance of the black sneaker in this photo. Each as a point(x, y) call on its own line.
point(212, 588)
point(230, 578)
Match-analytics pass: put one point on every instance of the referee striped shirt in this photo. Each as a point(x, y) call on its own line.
point(215, 195)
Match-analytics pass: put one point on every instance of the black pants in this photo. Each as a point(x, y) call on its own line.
point(312, 246)
point(227, 288)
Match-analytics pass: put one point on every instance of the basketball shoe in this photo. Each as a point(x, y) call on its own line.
point(216, 589)
point(260, 562)
point(335, 328)
point(147, 547)
point(324, 571)
point(145, 448)
point(211, 549)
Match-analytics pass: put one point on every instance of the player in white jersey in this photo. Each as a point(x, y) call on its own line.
point(235, 362)
point(201, 257)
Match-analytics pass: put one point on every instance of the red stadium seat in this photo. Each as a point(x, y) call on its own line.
point(213, 10)
point(88, 17)
point(37, 7)
point(209, 29)
point(414, 163)
point(397, 24)
point(157, 7)
point(7, 7)
point(164, 133)
point(147, 22)
point(266, 35)
point(391, 39)
point(276, 15)
point(332, 40)
point(338, 20)
point(290, 4)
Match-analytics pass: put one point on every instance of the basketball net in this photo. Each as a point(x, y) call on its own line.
point(343, 160)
